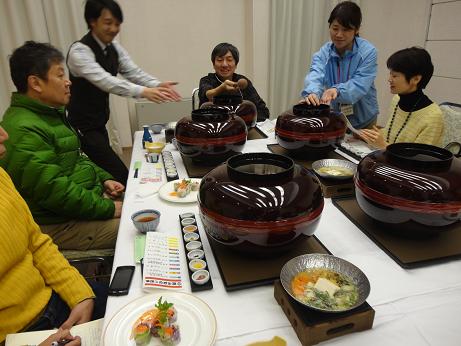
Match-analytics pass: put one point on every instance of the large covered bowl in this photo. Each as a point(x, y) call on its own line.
point(310, 129)
point(245, 109)
point(260, 203)
point(413, 189)
point(210, 135)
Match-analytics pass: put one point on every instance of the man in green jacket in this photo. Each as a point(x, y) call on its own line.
point(70, 197)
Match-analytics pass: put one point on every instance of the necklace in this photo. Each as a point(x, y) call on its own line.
point(219, 80)
point(404, 123)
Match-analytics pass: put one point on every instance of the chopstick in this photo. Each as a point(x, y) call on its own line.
point(137, 166)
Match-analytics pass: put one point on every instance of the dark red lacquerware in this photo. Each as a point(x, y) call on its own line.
point(310, 129)
point(210, 135)
point(245, 109)
point(413, 188)
point(260, 203)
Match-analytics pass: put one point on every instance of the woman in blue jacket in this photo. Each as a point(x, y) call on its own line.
point(343, 71)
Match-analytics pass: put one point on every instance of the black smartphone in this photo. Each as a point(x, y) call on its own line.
point(120, 284)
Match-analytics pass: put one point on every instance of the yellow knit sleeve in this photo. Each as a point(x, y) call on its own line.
point(56, 270)
point(432, 132)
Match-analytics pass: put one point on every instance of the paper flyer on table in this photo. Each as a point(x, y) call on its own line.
point(161, 262)
point(356, 146)
point(151, 173)
point(89, 332)
point(267, 126)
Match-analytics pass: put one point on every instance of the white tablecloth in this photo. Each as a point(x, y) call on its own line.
point(413, 307)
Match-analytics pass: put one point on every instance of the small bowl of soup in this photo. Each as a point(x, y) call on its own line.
point(325, 283)
point(146, 220)
point(334, 169)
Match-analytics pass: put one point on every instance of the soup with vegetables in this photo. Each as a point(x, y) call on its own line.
point(336, 171)
point(324, 289)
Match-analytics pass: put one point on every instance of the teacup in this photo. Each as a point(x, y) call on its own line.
point(157, 128)
point(146, 220)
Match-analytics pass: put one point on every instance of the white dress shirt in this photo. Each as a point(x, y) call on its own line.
point(82, 63)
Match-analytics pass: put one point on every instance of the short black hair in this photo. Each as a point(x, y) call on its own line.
point(222, 49)
point(348, 14)
point(93, 9)
point(412, 62)
point(32, 58)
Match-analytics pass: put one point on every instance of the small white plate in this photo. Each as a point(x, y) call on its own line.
point(196, 321)
point(166, 190)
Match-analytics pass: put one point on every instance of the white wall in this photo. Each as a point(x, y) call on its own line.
point(392, 25)
point(444, 44)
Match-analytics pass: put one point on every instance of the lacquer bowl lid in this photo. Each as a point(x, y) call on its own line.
point(413, 177)
point(308, 122)
point(212, 124)
point(235, 103)
point(261, 186)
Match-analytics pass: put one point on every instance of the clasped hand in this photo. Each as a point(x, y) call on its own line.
point(373, 137)
point(113, 188)
point(229, 86)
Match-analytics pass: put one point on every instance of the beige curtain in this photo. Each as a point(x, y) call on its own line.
point(59, 22)
point(298, 28)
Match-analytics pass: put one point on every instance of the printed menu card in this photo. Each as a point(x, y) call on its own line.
point(161, 261)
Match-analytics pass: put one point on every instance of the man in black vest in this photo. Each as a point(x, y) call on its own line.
point(94, 63)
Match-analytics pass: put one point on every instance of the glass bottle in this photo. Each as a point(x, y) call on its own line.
point(146, 137)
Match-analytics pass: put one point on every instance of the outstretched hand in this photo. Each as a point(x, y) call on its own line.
point(171, 89)
point(165, 91)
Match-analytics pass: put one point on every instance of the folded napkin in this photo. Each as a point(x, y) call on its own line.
point(146, 190)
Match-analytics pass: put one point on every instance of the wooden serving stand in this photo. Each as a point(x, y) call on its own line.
point(255, 133)
point(258, 271)
point(408, 251)
point(312, 326)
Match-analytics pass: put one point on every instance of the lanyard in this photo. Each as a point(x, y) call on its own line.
point(339, 71)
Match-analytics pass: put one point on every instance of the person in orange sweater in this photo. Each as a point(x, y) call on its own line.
point(39, 289)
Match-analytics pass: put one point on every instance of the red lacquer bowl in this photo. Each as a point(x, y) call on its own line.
point(310, 129)
point(260, 203)
point(210, 135)
point(245, 109)
point(415, 189)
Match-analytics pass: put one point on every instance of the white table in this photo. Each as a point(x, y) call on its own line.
point(413, 307)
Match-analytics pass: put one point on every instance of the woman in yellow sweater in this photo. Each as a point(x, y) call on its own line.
point(33, 273)
point(413, 116)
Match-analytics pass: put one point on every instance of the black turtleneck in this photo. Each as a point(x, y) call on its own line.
point(414, 101)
